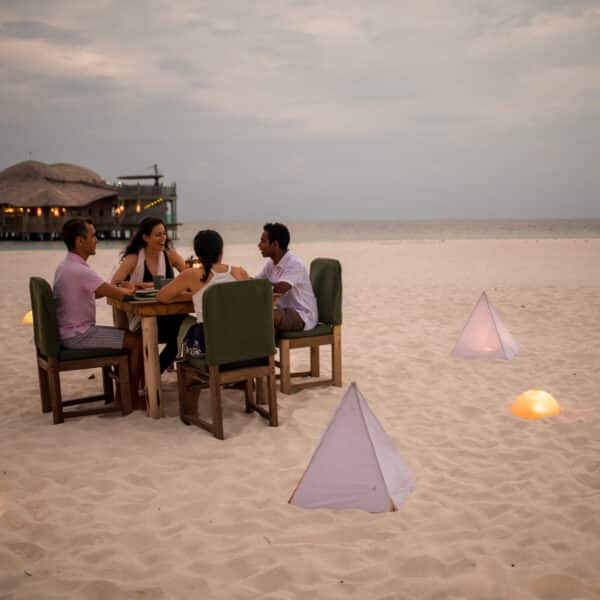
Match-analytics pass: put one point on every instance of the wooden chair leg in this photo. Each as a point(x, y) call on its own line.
point(315, 366)
point(188, 401)
point(249, 393)
point(272, 394)
point(336, 356)
point(107, 385)
point(285, 367)
point(261, 390)
point(55, 394)
point(124, 393)
point(44, 390)
point(215, 401)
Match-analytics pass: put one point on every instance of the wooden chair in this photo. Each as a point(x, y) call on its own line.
point(240, 346)
point(52, 360)
point(326, 279)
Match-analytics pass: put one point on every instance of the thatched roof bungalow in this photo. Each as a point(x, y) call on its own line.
point(33, 184)
point(37, 198)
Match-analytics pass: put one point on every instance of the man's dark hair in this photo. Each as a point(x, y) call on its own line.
point(279, 233)
point(73, 229)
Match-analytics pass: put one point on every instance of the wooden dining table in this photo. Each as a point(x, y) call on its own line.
point(148, 309)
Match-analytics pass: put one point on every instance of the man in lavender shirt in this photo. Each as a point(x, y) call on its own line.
point(76, 288)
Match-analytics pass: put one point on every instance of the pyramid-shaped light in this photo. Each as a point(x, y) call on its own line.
point(356, 464)
point(485, 335)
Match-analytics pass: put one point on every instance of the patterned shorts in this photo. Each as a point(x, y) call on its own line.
point(97, 336)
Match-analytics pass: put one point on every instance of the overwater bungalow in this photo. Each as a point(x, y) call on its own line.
point(37, 198)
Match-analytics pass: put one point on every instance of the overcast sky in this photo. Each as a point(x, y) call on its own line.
point(299, 109)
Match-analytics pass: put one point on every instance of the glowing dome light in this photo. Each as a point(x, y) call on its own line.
point(28, 318)
point(535, 404)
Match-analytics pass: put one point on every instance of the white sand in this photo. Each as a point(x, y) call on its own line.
point(113, 507)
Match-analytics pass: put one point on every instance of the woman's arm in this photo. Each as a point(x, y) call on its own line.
point(239, 273)
point(176, 260)
point(182, 287)
point(125, 269)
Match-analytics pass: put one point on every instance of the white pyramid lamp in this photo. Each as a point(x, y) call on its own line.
point(485, 335)
point(535, 404)
point(356, 464)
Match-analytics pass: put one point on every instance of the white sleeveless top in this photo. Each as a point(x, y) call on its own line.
point(214, 280)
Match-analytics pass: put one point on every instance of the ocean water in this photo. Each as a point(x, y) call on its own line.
point(317, 231)
point(235, 232)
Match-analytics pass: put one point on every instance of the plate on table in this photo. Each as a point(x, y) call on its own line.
point(146, 293)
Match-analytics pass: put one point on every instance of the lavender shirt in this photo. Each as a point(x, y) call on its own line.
point(74, 287)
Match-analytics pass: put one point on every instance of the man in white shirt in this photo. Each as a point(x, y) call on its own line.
point(297, 307)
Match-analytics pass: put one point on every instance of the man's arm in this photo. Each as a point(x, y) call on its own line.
point(282, 287)
point(292, 275)
point(112, 291)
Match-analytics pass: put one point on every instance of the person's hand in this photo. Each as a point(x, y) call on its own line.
point(141, 285)
point(128, 286)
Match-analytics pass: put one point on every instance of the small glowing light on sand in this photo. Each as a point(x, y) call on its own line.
point(535, 404)
point(28, 318)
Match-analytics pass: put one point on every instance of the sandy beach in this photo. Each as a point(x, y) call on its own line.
point(131, 507)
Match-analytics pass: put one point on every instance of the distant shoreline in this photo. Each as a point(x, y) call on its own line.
point(245, 232)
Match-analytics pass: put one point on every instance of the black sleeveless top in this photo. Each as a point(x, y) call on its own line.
point(148, 277)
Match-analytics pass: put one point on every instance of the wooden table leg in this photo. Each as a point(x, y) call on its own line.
point(151, 367)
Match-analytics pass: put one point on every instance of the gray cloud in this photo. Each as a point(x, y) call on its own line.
point(38, 30)
point(301, 108)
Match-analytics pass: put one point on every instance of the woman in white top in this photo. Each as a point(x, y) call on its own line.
point(208, 245)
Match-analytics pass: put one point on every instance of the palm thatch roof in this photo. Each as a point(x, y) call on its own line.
point(32, 184)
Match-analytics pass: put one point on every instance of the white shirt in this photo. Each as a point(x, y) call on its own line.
point(214, 280)
point(290, 269)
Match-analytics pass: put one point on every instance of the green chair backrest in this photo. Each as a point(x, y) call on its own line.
point(45, 324)
point(238, 321)
point(326, 279)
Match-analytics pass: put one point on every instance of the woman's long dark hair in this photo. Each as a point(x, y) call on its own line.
point(208, 245)
point(145, 227)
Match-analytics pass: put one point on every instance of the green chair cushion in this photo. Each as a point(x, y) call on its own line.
point(238, 321)
point(326, 280)
point(320, 329)
point(66, 354)
point(45, 326)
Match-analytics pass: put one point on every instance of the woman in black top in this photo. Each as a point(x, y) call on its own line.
point(150, 254)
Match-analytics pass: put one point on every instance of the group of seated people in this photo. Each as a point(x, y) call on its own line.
point(149, 255)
